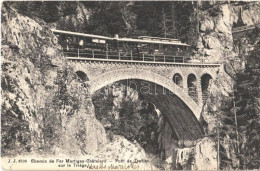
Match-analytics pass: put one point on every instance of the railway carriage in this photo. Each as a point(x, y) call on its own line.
point(142, 48)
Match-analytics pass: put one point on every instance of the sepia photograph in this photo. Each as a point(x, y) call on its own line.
point(130, 85)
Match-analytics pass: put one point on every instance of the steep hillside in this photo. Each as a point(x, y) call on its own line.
point(41, 96)
point(216, 41)
point(46, 107)
point(75, 22)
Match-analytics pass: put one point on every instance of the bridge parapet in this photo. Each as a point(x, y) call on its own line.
point(99, 55)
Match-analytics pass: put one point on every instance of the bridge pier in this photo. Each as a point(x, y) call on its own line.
point(185, 84)
point(199, 91)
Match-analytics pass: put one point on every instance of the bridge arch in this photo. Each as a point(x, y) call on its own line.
point(123, 74)
point(82, 75)
point(192, 86)
point(178, 79)
point(180, 111)
point(209, 72)
point(205, 83)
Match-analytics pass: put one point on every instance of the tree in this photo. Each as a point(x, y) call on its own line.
point(48, 11)
point(107, 19)
point(168, 23)
point(147, 17)
point(239, 120)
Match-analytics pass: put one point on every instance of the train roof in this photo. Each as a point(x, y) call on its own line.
point(141, 39)
point(160, 38)
point(82, 34)
point(152, 41)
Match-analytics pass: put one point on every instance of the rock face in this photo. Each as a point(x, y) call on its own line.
point(126, 114)
point(215, 34)
point(201, 156)
point(215, 38)
point(205, 155)
point(250, 13)
point(41, 97)
point(218, 90)
point(75, 22)
point(167, 142)
point(124, 150)
point(46, 107)
point(215, 42)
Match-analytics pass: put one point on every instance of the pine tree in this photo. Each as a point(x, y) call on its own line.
point(239, 120)
point(106, 19)
point(168, 25)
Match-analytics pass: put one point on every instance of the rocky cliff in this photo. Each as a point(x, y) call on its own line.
point(74, 22)
point(41, 96)
point(219, 42)
point(216, 42)
point(46, 107)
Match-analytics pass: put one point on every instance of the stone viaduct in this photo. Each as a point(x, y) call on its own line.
point(188, 83)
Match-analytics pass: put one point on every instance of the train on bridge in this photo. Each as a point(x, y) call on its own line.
point(142, 48)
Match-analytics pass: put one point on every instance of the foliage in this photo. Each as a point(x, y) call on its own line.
point(106, 18)
point(134, 119)
point(243, 139)
point(49, 11)
point(164, 19)
point(16, 136)
point(147, 17)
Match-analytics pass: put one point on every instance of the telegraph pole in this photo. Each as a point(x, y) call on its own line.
point(218, 144)
point(235, 112)
point(235, 115)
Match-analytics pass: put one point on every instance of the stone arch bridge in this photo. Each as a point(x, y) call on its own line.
point(186, 84)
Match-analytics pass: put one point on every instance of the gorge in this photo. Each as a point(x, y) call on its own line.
point(49, 109)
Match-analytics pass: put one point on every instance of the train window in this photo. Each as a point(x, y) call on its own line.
point(132, 44)
point(165, 47)
point(120, 44)
point(160, 46)
point(156, 46)
point(175, 48)
point(88, 40)
point(74, 39)
point(69, 39)
point(102, 41)
point(95, 40)
point(179, 48)
point(144, 46)
point(81, 42)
